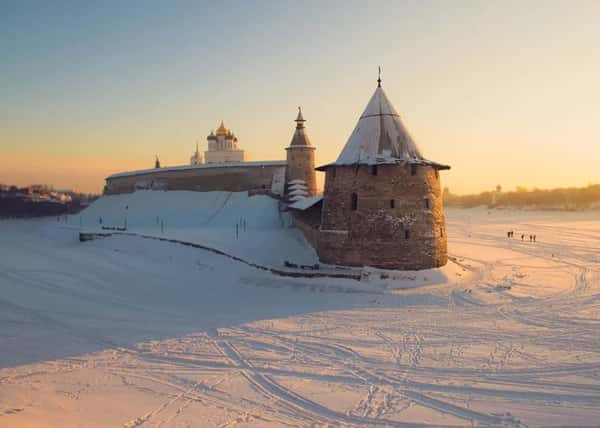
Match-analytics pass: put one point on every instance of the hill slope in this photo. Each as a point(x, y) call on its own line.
point(264, 233)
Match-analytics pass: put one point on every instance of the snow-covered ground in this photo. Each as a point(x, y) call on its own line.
point(125, 331)
point(209, 218)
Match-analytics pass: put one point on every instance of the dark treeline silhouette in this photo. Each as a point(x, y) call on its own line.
point(39, 201)
point(568, 198)
point(20, 208)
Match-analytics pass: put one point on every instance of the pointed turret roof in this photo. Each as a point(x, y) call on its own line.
point(300, 137)
point(380, 137)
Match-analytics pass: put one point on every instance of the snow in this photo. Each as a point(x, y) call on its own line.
point(298, 192)
point(257, 164)
point(298, 187)
point(306, 203)
point(167, 335)
point(207, 218)
point(380, 137)
point(278, 184)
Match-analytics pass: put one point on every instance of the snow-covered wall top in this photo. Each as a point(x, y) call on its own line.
point(380, 137)
point(203, 166)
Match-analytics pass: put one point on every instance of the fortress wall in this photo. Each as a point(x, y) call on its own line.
point(408, 233)
point(231, 178)
point(310, 231)
point(308, 222)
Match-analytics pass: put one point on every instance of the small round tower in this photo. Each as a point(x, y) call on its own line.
point(300, 176)
point(382, 203)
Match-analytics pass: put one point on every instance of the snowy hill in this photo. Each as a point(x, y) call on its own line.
point(264, 234)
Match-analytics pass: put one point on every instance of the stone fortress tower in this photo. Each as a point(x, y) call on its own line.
point(382, 202)
point(300, 177)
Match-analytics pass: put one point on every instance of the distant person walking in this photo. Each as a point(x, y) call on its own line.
point(534, 238)
point(522, 237)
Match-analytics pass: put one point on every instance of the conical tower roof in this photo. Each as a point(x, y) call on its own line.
point(380, 137)
point(300, 137)
point(379, 133)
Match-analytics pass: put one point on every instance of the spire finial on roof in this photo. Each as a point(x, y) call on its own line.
point(300, 119)
point(379, 78)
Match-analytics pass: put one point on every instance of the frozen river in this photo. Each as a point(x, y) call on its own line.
point(131, 332)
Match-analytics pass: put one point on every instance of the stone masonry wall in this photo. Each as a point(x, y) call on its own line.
point(231, 179)
point(308, 222)
point(301, 165)
point(398, 222)
point(310, 231)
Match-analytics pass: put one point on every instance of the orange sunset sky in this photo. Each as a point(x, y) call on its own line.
point(505, 92)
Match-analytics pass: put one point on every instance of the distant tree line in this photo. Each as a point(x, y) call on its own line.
point(40, 200)
point(567, 198)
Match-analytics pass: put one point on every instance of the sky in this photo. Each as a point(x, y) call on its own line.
point(505, 92)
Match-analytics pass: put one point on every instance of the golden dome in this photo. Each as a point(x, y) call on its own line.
point(222, 130)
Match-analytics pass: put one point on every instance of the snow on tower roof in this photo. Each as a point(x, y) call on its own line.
point(380, 137)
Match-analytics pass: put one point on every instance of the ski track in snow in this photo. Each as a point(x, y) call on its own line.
point(168, 336)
